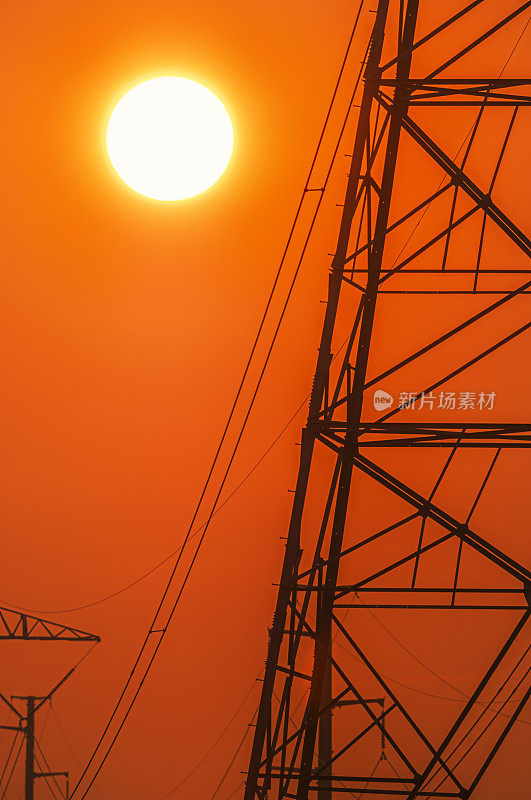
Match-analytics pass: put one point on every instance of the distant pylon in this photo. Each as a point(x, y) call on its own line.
point(15, 625)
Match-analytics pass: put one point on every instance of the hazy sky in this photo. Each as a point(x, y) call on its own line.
point(126, 323)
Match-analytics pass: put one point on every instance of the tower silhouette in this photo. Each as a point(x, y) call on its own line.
point(16, 626)
point(385, 543)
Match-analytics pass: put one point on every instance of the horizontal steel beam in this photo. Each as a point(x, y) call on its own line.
point(17, 625)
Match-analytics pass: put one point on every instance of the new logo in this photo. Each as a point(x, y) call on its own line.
point(382, 400)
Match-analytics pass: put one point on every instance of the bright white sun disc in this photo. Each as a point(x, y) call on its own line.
point(169, 138)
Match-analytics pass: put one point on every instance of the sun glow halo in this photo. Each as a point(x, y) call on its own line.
point(169, 138)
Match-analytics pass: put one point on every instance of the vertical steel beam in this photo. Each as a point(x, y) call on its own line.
point(325, 731)
point(30, 748)
point(320, 692)
point(318, 698)
point(308, 437)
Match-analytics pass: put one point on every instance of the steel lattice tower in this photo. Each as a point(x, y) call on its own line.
point(326, 572)
point(16, 626)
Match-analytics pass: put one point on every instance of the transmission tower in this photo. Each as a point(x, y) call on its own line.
point(324, 697)
point(17, 626)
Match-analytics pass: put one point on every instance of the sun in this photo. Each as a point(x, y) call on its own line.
point(169, 138)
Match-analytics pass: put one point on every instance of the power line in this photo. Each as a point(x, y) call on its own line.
point(214, 745)
point(239, 786)
point(233, 759)
point(71, 746)
point(8, 760)
point(360, 796)
point(515, 46)
point(410, 652)
point(4, 790)
point(178, 550)
point(465, 697)
point(415, 689)
point(485, 729)
point(54, 778)
point(65, 737)
point(49, 785)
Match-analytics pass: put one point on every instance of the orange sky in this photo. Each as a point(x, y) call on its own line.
point(126, 323)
